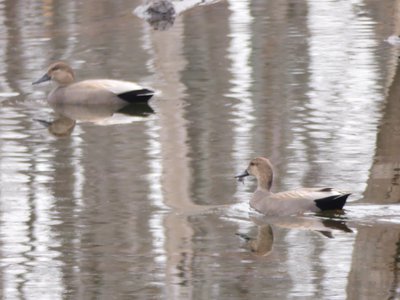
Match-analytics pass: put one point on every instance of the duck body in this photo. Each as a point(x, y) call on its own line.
point(99, 92)
point(91, 92)
point(292, 202)
point(298, 201)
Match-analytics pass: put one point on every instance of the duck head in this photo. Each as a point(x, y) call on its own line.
point(261, 168)
point(59, 72)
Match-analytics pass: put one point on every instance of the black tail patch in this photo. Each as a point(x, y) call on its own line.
point(332, 202)
point(142, 95)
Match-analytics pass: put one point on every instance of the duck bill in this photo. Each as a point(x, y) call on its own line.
point(241, 176)
point(44, 78)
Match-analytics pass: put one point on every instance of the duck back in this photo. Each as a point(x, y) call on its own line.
point(298, 201)
point(100, 92)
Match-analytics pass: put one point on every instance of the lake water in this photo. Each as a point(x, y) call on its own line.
point(142, 204)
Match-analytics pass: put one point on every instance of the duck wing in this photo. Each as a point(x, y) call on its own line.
point(114, 86)
point(307, 194)
point(318, 198)
point(126, 90)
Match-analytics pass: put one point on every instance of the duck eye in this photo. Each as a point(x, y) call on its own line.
point(252, 164)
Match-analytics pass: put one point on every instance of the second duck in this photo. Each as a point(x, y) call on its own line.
point(292, 202)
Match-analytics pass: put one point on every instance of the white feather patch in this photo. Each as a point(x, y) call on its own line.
point(116, 87)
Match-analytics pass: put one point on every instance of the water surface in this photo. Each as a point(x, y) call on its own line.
point(124, 207)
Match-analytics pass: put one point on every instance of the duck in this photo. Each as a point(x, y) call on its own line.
point(92, 91)
point(294, 202)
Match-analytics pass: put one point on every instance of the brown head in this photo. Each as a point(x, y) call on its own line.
point(261, 168)
point(59, 72)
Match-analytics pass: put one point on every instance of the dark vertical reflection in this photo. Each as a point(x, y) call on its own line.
point(174, 248)
point(280, 60)
point(374, 272)
point(383, 185)
point(5, 87)
point(10, 40)
point(206, 76)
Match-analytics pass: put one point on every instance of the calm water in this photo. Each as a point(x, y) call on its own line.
point(142, 204)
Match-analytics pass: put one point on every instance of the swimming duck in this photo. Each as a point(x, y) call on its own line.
point(88, 92)
point(296, 201)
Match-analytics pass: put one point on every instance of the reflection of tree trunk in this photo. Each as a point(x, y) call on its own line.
point(374, 273)
point(168, 64)
point(384, 181)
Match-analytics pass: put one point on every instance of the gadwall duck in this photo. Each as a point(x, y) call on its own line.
point(297, 201)
point(88, 92)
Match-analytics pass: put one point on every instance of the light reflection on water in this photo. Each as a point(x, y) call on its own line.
point(239, 54)
point(340, 91)
point(123, 209)
point(26, 231)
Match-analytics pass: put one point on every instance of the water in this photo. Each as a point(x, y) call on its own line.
point(142, 204)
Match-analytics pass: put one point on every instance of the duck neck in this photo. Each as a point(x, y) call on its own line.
point(265, 182)
point(58, 84)
point(64, 79)
point(64, 83)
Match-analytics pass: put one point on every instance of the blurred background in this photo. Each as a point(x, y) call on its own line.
point(143, 204)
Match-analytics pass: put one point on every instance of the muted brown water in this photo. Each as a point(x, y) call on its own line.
point(122, 207)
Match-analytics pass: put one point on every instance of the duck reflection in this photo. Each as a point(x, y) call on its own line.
point(62, 126)
point(67, 116)
point(161, 14)
point(262, 244)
